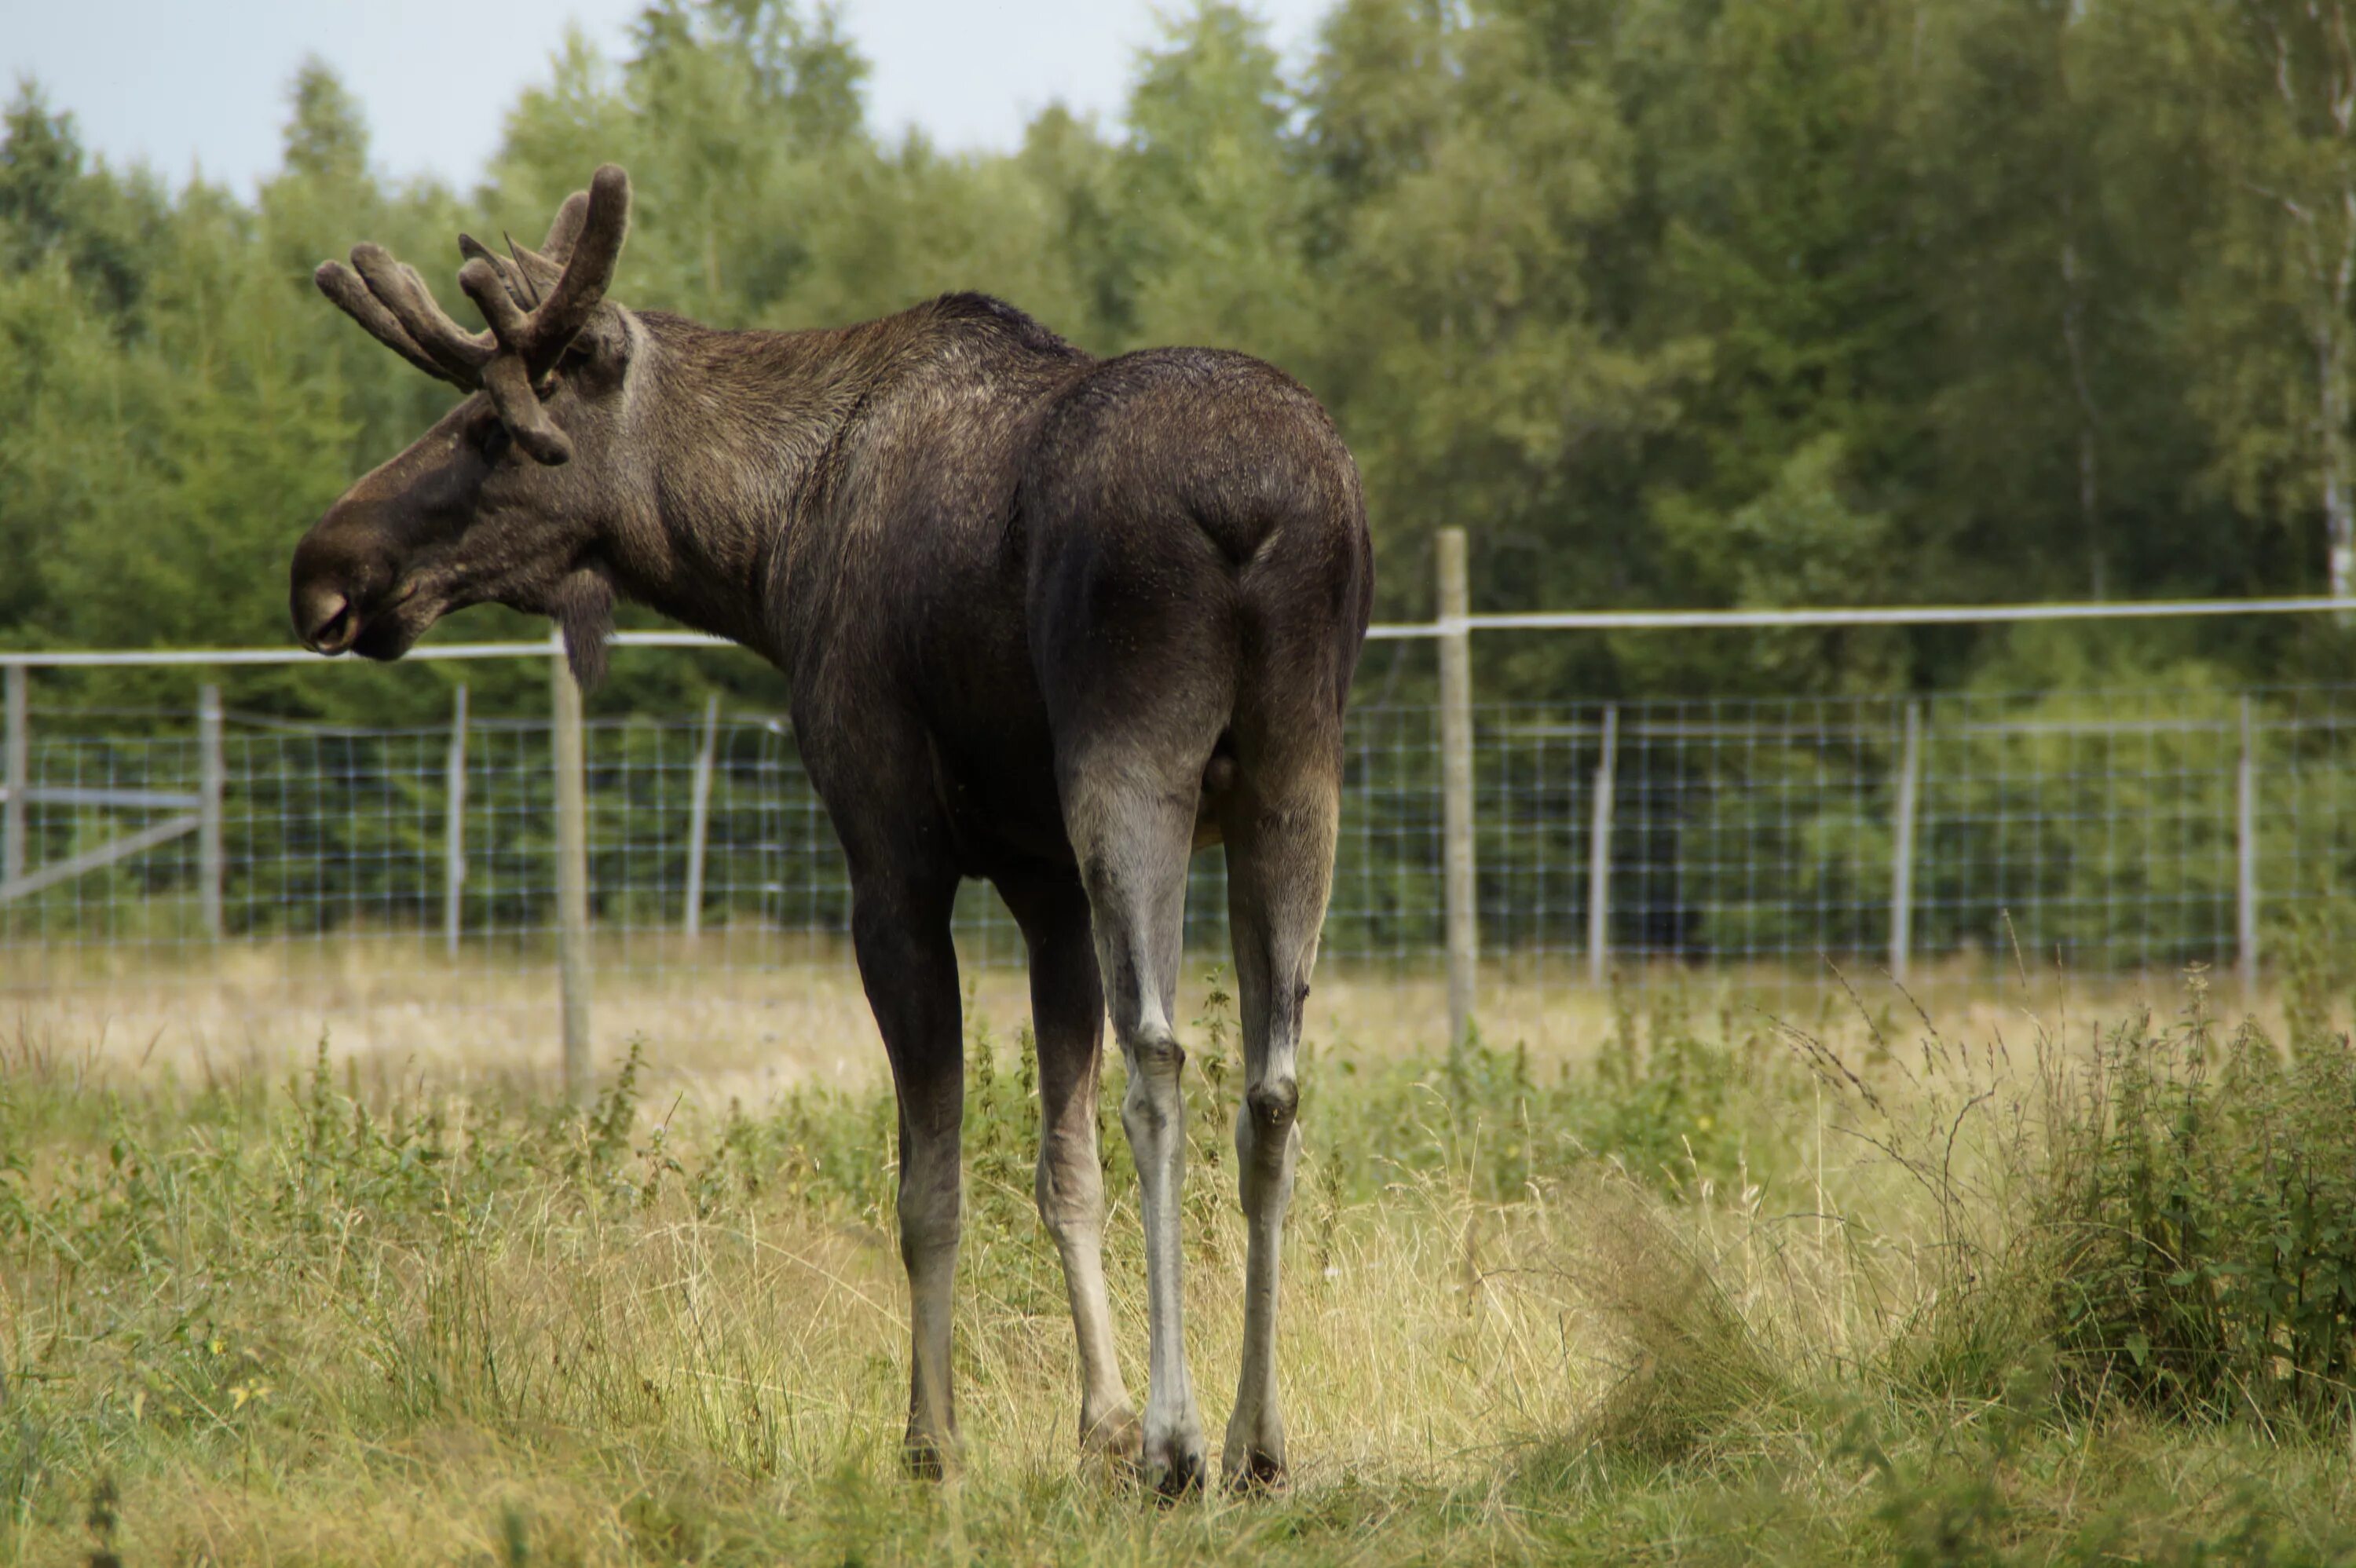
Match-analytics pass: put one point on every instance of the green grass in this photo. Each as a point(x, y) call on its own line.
point(1726, 1292)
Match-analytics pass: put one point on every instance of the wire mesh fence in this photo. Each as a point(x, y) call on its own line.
point(1960, 842)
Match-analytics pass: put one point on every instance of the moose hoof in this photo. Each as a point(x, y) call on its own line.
point(927, 1457)
point(1173, 1467)
point(1257, 1474)
point(1116, 1436)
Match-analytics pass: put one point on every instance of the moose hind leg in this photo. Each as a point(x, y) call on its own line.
point(1067, 1013)
point(900, 931)
point(1132, 819)
point(1279, 826)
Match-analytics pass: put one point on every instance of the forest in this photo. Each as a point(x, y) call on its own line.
point(1668, 303)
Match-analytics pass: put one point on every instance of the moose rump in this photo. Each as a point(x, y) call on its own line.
point(1199, 585)
point(1196, 566)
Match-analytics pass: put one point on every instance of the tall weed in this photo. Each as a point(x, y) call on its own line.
point(2202, 1205)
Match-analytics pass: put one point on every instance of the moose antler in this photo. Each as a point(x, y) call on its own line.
point(536, 305)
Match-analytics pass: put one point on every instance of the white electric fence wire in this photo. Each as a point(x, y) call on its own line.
point(1512, 621)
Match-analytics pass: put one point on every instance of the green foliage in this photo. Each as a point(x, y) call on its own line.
point(1666, 302)
point(1801, 540)
point(2205, 1209)
point(1671, 1103)
point(2159, 1223)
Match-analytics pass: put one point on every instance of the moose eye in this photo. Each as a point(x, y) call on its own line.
point(493, 442)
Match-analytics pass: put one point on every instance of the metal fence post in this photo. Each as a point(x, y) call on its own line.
point(2246, 867)
point(1598, 854)
point(1901, 846)
point(698, 819)
point(211, 779)
point(571, 871)
point(454, 827)
point(18, 778)
point(1458, 881)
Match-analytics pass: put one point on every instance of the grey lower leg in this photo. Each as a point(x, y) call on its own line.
point(1067, 1011)
point(1070, 1187)
point(1133, 847)
point(1266, 1144)
point(1279, 866)
point(1153, 1114)
point(1268, 1147)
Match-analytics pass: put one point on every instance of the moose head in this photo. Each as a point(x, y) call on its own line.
point(504, 500)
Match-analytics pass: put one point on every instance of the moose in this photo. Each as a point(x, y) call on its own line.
point(1049, 620)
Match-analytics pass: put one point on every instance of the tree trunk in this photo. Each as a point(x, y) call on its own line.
point(2323, 220)
point(2074, 340)
point(2339, 515)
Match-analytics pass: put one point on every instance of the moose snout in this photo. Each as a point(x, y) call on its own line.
point(337, 580)
point(325, 619)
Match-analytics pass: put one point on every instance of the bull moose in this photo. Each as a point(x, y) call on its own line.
point(1049, 620)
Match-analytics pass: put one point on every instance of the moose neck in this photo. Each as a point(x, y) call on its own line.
point(736, 425)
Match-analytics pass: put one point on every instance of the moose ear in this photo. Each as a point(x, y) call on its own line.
point(600, 353)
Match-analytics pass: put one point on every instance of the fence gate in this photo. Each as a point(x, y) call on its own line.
point(198, 812)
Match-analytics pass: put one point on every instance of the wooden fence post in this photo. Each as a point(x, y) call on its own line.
point(212, 782)
point(1458, 872)
point(1901, 845)
point(698, 819)
point(572, 957)
point(1598, 854)
point(16, 775)
point(2246, 867)
point(454, 827)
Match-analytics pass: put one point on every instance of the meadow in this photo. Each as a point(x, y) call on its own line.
point(2066, 1284)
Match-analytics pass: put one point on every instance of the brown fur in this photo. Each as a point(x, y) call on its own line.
point(1047, 620)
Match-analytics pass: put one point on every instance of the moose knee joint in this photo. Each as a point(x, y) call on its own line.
point(1157, 1056)
point(1274, 1104)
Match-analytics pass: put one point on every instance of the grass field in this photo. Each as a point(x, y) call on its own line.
point(753, 1012)
point(1702, 1288)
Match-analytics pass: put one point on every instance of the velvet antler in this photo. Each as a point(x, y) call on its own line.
point(536, 305)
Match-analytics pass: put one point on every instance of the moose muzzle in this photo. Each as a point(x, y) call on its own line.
point(341, 578)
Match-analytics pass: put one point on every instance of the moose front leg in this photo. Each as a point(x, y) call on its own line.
point(1067, 1011)
point(900, 929)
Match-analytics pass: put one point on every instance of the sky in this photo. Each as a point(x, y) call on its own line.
point(190, 85)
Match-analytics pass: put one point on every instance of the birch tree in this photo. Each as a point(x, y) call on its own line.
point(2271, 87)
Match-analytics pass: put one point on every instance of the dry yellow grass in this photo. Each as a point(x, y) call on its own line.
point(290, 1333)
point(746, 1015)
point(567, 1367)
